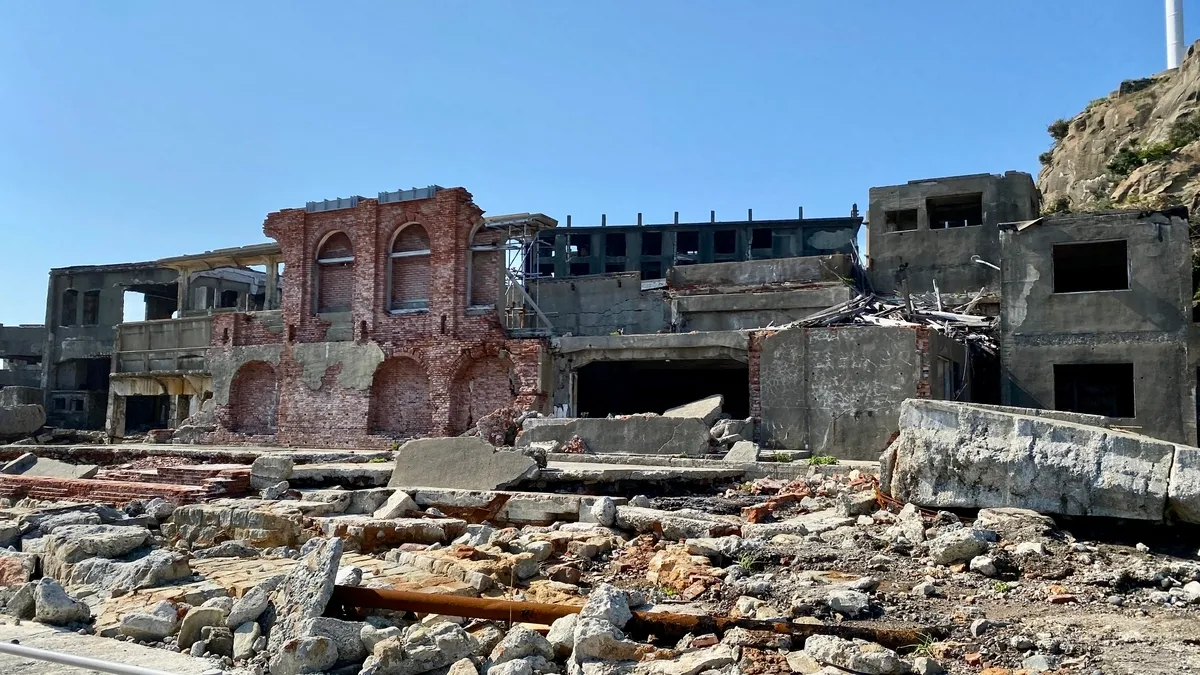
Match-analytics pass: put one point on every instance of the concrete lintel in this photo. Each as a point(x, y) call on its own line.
point(733, 339)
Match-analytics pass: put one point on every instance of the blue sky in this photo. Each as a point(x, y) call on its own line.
point(135, 130)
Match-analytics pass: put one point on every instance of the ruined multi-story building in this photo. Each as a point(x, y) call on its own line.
point(413, 314)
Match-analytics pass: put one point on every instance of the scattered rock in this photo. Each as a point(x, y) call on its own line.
point(562, 635)
point(984, 565)
point(371, 635)
point(923, 665)
point(70, 544)
point(22, 603)
point(304, 655)
point(349, 576)
point(53, 606)
point(248, 607)
point(519, 643)
point(244, 639)
point(422, 648)
point(228, 549)
point(347, 635)
point(217, 640)
point(858, 656)
point(17, 568)
point(276, 491)
point(304, 592)
point(153, 626)
point(1030, 548)
point(398, 505)
point(850, 603)
point(958, 546)
point(157, 568)
point(196, 619)
point(609, 603)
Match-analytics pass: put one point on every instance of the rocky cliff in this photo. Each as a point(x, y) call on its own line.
point(1139, 146)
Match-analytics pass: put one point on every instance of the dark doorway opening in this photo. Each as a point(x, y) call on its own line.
point(1094, 389)
point(143, 413)
point(630, 387)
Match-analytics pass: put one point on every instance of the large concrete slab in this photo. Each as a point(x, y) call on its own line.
point(30, 634)
point(632, 434)
point(463, 463)
point(19, 421)
point(956, 455)
point(30, 464)
point(707, 409)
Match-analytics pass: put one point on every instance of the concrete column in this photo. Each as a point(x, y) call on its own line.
point(115, 415)
point(183, 288)
point(271, 301)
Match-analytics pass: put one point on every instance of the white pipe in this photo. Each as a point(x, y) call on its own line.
point(1175, 49)
point(76, 661)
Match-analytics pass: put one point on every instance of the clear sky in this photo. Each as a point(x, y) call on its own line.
point(133, 130)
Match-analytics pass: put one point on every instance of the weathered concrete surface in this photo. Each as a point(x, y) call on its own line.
point(91, 646)
point(354, 475)
point(1183, 493)
point(260, 524)
point(464, 463)
point(837, 391)
point(757, 273)
point(632, 434)
point(707, 409)
point(30, 464)
point(20, 421)
point(955, 455)
point(517, 508)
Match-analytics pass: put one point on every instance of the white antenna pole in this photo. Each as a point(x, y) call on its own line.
point(1175, 49)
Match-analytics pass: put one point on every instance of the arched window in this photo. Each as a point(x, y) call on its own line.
point(408, 269)
point(334, 274)
point(485, 267)
point(254, 398)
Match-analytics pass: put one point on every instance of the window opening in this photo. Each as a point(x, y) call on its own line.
point(1092, 266)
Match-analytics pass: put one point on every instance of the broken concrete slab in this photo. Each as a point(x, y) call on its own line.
point(260, 524)
point(707, 409)
point(742, 451)
point(366, 534)
point(30, 464)
point(304, 593)
point(676, 525)
point(464, 463)
point(630, 434)
point(508, 508)
point(71, 544)
point(268, 470)
point(1183, 492)
point(20, 421)
point(956, 455)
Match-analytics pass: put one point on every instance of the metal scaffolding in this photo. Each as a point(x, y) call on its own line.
point(519, 248)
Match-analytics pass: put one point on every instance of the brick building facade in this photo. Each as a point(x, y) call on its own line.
point(388, 328)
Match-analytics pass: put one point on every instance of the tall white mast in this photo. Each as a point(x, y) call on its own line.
point(1175, 49)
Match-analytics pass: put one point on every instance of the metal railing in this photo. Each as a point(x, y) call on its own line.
point(76, 661)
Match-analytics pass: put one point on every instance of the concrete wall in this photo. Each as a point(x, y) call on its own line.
point(755, 273)
point(837, 391)
point(944, 255)
point(601, 305)
point(740, 311)
point(1147, 325)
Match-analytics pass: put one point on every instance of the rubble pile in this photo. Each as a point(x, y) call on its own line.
point(823, 573)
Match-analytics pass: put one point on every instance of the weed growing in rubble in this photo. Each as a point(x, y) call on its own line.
point(818, 460)
point(783, 457)
point(395, 446)
point(377, 460)
point(748, 561)
point(668, 591)
point(924, 646)
point(1001, 587)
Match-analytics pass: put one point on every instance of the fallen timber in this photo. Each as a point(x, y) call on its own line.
point(662, 625)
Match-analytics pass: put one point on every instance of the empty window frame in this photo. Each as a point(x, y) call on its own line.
point(725, 242)
point(580, 269)
point(229, 299)
point(1091, 266)
point(761, 238)
point(60, 403)
point(579, 245)
point(956, 211)
point(652, 270)
point(1094, 388)
point(652, 243)
point(614, 267)
point(614, 245)
point(687, 243)
point(900, 221)
point(76, 405)
point(70, 307)
point(91, 308)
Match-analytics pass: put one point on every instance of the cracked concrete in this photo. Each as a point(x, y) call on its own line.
point(633, 434)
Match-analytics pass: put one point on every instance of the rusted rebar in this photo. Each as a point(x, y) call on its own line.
point(661, 625)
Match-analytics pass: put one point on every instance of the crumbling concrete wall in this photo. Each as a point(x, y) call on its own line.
point(602, 305)
point(1146, 325)
point(837, 391)
point(739, 311)
point(924, 255)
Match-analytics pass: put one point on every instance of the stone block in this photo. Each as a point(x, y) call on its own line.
point(743, 452)
point(268, 470)
point(20, 421)
point(465, 463)
point(629, 435)
point(1183, 492)
point(956, 455)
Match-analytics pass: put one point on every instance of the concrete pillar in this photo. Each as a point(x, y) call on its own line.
point(183, 288)
point(115, 415)
point(271, 301)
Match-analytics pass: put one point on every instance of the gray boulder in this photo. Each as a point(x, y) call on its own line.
point(53, 606)
point(217, 640)
point(22, 603)
point(848, 602)
point(398, 505)
point(439, 462)
point(519, 643)
point(268, 470)
point(742, 452)
point(958, 546)
point(244, 638)
point(248, 607)
point(304, 592)
point(160, 622)
point(304, 655)
point(70, 544)
point(345, 634)
point(228, 549)
point(20, 421)
point(195, 620)
point(421, 649)
point(609, 603)
point(858, 656)
point(155, 569)
point(562, 635)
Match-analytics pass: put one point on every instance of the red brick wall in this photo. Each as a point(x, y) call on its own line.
point(754, 363)
point(254, 399)
point(335, 287)
point(400, 399)
point(485, 268)
point(455, 347)
point(924, 389)
point(410, 279)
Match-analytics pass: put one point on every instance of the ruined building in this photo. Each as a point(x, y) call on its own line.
point(412, 314)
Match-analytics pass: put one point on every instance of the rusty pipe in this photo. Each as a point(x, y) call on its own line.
point(662, 625)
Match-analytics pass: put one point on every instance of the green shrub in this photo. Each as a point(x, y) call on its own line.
point(782, 457)
point(1046, 157)
point(1184, 131)
point(818, 460)
point(1060, 205)
point(1058, 130)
